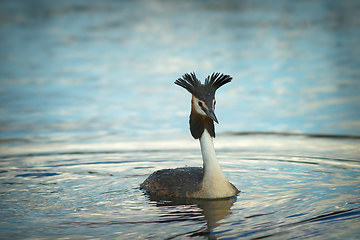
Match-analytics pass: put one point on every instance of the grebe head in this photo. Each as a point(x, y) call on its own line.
point(203, 100)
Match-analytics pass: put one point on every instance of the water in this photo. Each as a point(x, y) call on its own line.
point(286, 192)
point(88, 110)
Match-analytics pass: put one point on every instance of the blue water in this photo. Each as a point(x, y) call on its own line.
point(88, 109)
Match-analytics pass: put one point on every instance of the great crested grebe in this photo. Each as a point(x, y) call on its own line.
point(196, 182)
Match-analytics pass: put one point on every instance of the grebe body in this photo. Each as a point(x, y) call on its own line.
point(196, 182)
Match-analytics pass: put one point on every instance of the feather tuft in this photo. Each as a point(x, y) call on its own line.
point(214, 81)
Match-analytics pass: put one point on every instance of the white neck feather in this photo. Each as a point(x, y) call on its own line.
point(214, 183)
point(210, 162)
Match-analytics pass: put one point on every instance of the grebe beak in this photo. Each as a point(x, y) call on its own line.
point(211, 114)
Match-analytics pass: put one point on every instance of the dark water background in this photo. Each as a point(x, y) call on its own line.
point(88, 109)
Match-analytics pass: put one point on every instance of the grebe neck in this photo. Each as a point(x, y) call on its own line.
point(214, 183)
point(210, 163)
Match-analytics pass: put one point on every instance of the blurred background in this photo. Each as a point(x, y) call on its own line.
point(104, 71)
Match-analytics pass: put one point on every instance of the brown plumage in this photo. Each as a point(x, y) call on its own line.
point(199, 122)
point(174, 183)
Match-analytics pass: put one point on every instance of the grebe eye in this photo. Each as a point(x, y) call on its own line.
point(200, 104)
point(214, 102)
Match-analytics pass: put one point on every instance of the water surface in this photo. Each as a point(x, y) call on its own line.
point(286, 192)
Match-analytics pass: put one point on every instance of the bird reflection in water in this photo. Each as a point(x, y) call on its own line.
point(186, 209)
